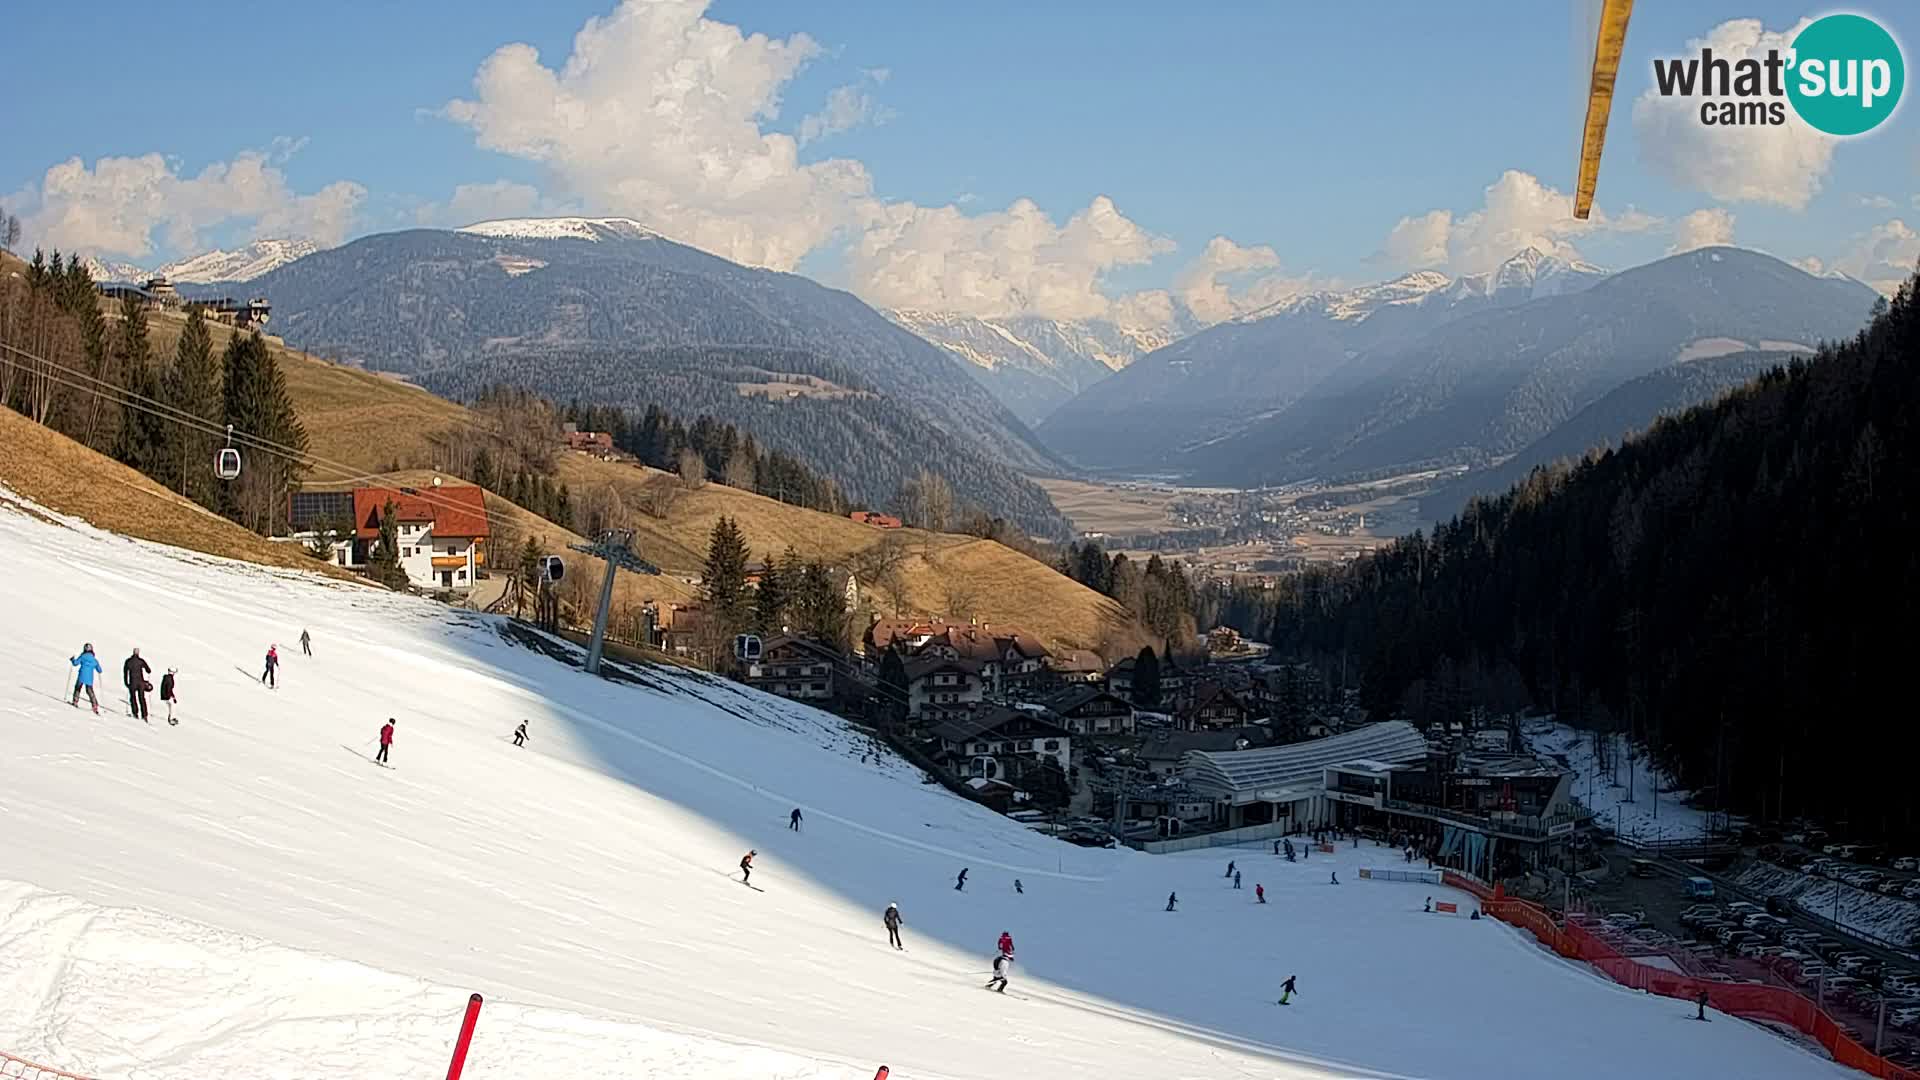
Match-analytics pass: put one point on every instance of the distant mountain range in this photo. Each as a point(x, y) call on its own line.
point(245, 264)
point(1034, 365)
point(608, 311)
point(1427, 369)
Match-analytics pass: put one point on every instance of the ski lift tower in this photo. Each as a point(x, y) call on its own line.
point(615, 546)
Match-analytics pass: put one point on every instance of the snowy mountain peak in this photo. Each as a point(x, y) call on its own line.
point(563, 228)
point(243, 264)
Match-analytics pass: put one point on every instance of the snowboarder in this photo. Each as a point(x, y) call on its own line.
point(520, 734)
point(1259, 893)
point(1236, 879)
point(89, 666)
point(1702, 1002)
point(135, 672)
point(169, 693)
point(1286, 989)
point(746, 867)
point(273, 664)
point(1006, 943)
point(1276, 847)
point(1429, 908)
point(1000, 965)
point(793, 820)
point(1172, 899)
point(306, 643)
point(1019, 888)
point(1336, 878)
point(960, 883)
point(892, 919)
point(1475, 917)
point(1229, 867)
point(386, 741)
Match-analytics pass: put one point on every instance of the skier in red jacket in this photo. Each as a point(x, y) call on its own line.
point(1006, 943)
point(386, 741)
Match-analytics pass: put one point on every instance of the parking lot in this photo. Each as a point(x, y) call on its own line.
point(1731, 938)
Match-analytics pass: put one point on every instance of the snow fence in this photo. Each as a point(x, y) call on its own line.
point(1750, 1001)
point(13, 1068)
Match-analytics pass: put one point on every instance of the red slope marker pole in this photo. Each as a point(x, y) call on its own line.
point(466, 1038)
point(882, 1074)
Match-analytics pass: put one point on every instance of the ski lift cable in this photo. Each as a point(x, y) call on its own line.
point(162, 410)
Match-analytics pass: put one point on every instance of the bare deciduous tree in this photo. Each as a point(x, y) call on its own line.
point(692, 469)
point(739, 471)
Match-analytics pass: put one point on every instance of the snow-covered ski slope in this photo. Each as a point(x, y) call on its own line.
point(247, 895)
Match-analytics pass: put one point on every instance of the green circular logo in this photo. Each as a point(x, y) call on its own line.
point(1846, 74)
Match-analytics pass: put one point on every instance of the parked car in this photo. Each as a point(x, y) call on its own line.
point(1756, 950)
point(1890, 887)
point(1797, 937)
point(1906, 1018)
point(1699, 913)
point(1831, 849)
point(1851, 963)
point(1908, 863)
point(1623, 920)
point(1911, 890)
point(1810, 972)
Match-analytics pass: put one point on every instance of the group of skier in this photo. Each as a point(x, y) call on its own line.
point(134, 672)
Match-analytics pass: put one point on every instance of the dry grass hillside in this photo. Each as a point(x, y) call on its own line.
point(56, 472)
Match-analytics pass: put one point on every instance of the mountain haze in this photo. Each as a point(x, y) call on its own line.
point(1426, 370)
point(1206, 385)
point(1031, 364)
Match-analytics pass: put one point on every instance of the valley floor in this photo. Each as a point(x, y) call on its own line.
point(249, 894)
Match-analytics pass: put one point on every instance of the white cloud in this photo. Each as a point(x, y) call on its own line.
point(472, 203)
point(115, 207)
point(1223, 281)
point(658, 113)
point(1874, 202)
point(662, 114)
point(1883, 256)
point(1780, 164)
point(848, 107)
point(1702, 228)
point(1518, 212)
point(999, 263)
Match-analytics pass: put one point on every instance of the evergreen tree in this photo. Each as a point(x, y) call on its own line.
point(193, 386)
point(563, 508)
point(822, 606)
point(725, 579)
point(145, 436)
point(255, 401)
point(770, 600)
point(383, 563)
point(483, 470)
point(1146, 679)
point(526, 575)
point(893, 683)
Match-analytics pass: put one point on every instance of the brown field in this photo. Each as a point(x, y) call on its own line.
point(1108, 508)
point(60, 474)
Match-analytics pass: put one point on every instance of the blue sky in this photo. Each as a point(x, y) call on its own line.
point(1303, 133)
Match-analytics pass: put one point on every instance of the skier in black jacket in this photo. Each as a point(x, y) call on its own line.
point(892, 919)
point(135, 672)
point(169, 693)
point(520, 734)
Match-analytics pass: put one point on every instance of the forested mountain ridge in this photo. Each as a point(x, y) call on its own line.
point(1727, 587)
point(1631, 407)
point(605, 300)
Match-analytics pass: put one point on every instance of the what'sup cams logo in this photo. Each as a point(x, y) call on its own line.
point(1842, 74)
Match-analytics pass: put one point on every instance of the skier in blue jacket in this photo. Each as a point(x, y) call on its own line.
point(89, 666)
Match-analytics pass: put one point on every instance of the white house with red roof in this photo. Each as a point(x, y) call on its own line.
point(441, 531)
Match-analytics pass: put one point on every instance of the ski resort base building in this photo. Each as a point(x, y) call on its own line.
point(1473, 809)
